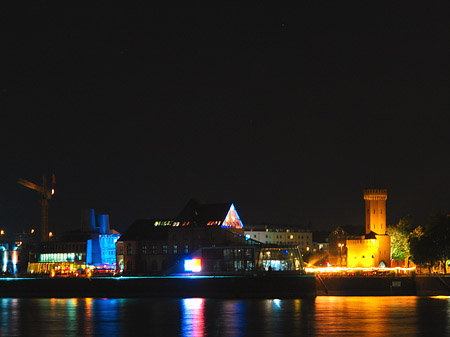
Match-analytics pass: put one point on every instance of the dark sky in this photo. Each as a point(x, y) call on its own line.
point(289, 113)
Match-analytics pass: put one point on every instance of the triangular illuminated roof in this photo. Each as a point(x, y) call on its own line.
point(232, 220)
point(199, 214)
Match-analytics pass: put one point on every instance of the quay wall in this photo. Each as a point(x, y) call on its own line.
point(415, 285)
point(220, 287)
point(433, 285)
point(227, 287)
point(364, 286)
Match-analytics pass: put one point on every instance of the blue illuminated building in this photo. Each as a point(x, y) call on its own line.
point(90, 249)
point(8, 259)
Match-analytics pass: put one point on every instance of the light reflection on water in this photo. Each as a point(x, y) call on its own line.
point(343, 316)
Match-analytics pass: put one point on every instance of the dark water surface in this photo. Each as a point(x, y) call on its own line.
point(341, 316)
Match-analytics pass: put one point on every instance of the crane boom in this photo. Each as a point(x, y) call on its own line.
point(46, 195)
point(31, 185)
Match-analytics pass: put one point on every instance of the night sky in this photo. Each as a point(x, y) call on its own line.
point(289, 113)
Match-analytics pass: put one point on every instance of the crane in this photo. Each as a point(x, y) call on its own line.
point(46, 195)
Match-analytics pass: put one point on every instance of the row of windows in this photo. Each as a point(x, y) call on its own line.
point(65, 247)
point(374, 212)
point(164, 249)
point(60, 257)
point(280, 236)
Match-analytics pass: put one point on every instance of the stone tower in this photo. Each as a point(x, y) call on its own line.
point(375, 210)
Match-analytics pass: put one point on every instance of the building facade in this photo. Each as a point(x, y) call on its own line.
point(152, 247)
point(91, 249)
point(282, 236)
point(352, 248)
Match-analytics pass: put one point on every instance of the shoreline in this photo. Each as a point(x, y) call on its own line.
point(239, 287)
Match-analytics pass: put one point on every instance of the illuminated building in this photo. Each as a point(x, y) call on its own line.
point(241, 260)
point(91, 247)
point(152, 246)
point(282, 236)
point(351, 248)
point(9, 259)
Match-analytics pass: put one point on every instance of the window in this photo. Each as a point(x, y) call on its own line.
point(154, 249)
point(144, 249)
point(164, 249)
point(186, 249)
point(129, 249)
point(121, 250)
point(175, 249)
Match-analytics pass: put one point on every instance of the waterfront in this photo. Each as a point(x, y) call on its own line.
point(343, 316)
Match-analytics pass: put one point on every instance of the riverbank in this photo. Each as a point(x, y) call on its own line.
point(289, 286)
point(269, 286)
point(414, 285)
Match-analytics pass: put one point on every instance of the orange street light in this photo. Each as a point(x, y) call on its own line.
point(340, 253)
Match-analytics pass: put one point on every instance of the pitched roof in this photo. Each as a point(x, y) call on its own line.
point(145, 229)
point(370, 235)
point(198, 214)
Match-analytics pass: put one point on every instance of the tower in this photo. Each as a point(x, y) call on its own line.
point(375, 200)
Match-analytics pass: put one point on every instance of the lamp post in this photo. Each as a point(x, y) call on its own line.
point(1, 234)
point(340, 253)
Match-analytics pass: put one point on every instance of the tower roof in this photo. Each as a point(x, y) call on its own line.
point(375, 194)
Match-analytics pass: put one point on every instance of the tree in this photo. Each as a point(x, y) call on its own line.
point(439, 231)
point(431, 244)
point(420, 247)
point(399, 234)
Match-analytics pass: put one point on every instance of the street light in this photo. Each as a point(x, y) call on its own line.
point(340, 252)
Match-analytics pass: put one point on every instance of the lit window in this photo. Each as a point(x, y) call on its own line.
point(164, 249)
point(144, 249)
point(175, 249)
point(186, 249)
point(154, 249)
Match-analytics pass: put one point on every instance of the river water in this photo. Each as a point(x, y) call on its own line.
point(322, 316)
